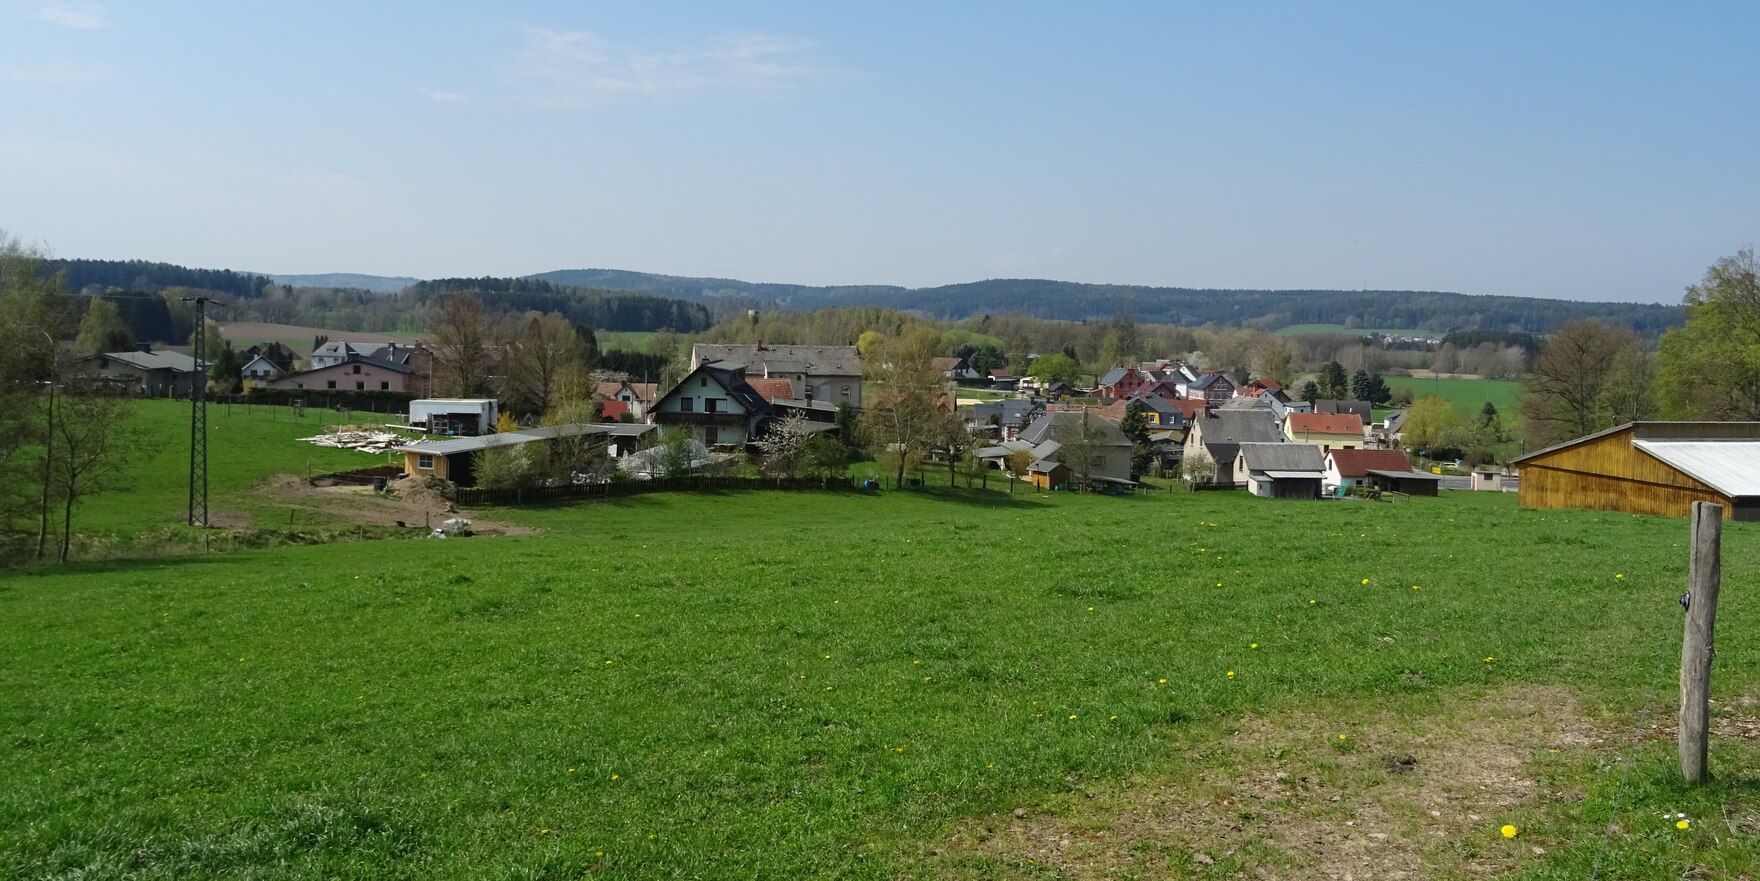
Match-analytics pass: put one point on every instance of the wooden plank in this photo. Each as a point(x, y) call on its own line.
point(1697, 648)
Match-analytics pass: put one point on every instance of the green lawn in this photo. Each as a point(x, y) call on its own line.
point(628, 340)
point(247, 444)
point(769, 685)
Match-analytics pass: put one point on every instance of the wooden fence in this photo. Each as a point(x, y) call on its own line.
point(1214, 485)
point(541, 494)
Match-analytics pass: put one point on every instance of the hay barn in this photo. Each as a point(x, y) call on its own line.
point(1650, 468)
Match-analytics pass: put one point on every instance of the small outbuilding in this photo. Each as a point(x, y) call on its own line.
point(1650, 468)
point(1280, 471)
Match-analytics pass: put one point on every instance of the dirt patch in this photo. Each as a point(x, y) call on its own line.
point(1357, 792)
point(408, 501)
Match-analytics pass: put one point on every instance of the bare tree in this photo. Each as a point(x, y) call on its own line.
point(1567, 388)
point(462, 331)
point(547, 348)
point(90, 449)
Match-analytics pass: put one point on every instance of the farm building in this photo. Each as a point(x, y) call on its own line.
point(1650, 468)
point(1280, 471)
point(454, 459)
point(469, 417)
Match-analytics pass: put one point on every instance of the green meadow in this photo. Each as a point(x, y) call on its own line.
point(1468, 395)
point(890, 685)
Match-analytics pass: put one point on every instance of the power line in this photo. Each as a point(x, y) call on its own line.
point(198, 416)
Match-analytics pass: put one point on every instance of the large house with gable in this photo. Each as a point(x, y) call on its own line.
point(829, 374)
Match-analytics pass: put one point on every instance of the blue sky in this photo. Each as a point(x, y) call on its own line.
point(1582, 151)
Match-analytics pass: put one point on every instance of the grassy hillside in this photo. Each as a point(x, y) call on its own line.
point(867, 686)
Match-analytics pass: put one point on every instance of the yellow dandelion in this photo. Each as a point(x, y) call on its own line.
point(1090, 608)
point(1415, 587)
point(1163, 681)
point(571, 771)
point(650, 836)
point(543, 832)
point(1072, 717)
point(1682, 823)
point(1253, 646)
point(1365, 581)
point(614, 776)
point(1231, 674)
point(898, 749)
point(1489, 659)
point(600, 853)
point(916, 662)
point(1344, 737)
point(1218, 584)
point(1508, 831)
point(1620, 575)
point(1113, 719)
point(1312, 602)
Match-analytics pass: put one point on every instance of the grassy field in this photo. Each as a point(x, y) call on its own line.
point(1468, 395)
point(900, 685)
point(629, 340)
point(244, 334)
point(247, 444)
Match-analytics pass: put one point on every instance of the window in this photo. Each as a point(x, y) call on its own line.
point(711, 436)
point(846, 392)
point(299, 385)
point(703, 381)
point(711, 405)
point(330, 383)
point(360, 386)
point(357, 368)
point(424, 462)
point(384, 386)
point(686, 405)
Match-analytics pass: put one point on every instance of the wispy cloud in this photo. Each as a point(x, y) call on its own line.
point(66, 13)
point(55, 73)
point(444, 96)
point(582, 68)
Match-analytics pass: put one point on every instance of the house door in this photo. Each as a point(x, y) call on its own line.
point(711, 436)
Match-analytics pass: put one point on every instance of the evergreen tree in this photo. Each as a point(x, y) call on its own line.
point(1333, 382)
point(1360, 385)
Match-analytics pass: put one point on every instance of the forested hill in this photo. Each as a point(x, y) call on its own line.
point(146, 275)
point(1433, 311)
point(602, 309)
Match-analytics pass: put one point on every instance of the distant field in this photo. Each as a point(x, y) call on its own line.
point(628, 340)
point(1339, 328)
point(1468, 395)
point(244, 334)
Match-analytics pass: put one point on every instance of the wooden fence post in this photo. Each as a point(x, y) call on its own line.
point(1697, 648)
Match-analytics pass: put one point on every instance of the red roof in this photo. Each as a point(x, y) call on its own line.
point(999, 373)
point(944, 364)
point(1324, 423)
point(1356, 463)
point(1189, 409)
point(772, 389)
point(611, 410)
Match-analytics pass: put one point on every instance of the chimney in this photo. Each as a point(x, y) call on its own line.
point(760, 345)
point(145, 348)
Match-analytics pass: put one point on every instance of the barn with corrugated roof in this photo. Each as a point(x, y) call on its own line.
point(1650, 468)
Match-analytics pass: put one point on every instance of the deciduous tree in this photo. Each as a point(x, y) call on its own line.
point(1710, 368)
point(899, 420)
point(462, 332)
point(101, 329)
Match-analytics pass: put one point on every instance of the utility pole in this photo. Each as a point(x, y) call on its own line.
point(198, 418)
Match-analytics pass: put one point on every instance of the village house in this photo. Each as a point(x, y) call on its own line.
point(357, 374)
point(635, 396)
point(1266, 403)
point(1216, 438)
point(1280, 470)
point(1211, 387)
point(1327, 431)
point(336, 352)
point(956, 369)
point(468, 417)
point(832, 374)
point(141, 372)
point(1348, 469)
point(1120, 382)
point(1054, 435)
point(718, 406)
point(1009, 416)
point(1650, 468)
point(260, 369)
point(1363, 410)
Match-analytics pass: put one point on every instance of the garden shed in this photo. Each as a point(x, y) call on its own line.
point(1650, 468)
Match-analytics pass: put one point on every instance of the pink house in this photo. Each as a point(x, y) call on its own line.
point(357, 374)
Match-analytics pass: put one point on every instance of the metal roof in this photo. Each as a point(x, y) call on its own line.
point(1285, 457)
point(1404, 475)
point(1288, 475)
point(453, 446)
point(1731, 467)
